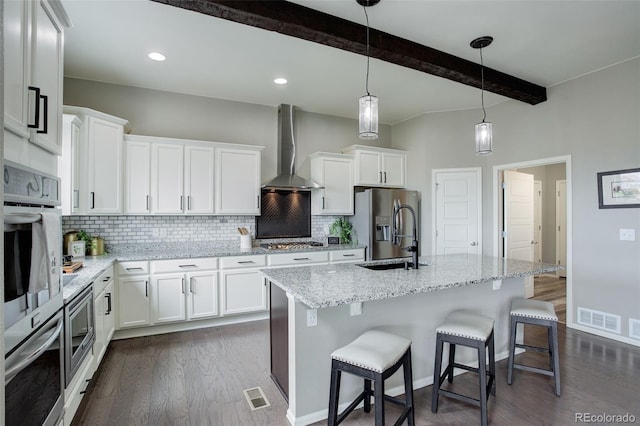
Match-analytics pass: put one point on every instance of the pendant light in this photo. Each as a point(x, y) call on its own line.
point(368, 105)
point(484, 131)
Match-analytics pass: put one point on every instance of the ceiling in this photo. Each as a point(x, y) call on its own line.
point(543, 42)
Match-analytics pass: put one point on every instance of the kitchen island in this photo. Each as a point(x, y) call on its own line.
point(348, 299)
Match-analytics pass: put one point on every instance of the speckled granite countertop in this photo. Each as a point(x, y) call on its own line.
point(338, 284)
point(94, 265)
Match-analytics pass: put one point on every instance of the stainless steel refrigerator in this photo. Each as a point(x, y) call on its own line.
point(372, 221)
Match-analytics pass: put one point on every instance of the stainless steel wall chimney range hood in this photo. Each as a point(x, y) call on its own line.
point(286, 168)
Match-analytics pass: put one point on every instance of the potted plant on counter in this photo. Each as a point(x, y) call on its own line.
point(341, 228)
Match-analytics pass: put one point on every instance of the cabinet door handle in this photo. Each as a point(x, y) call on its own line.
point(188, 202)
point(187, 266)
point(106, 279)
point(93, 200)
point(323, 203)
point(148, 203)
point(258, 204)
point(380, 177)
point(76, 198)
point(134, 269)
point(385, 177)
point(191, 285)
point(108, 297)
point(244, 262)
point(301, 258)
point(146, 289)
point(182, 285)
point(348, 255)
point(36, 113)
point(45, 121)
point(181, 199)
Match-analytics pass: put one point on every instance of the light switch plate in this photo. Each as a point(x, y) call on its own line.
point(627, 234)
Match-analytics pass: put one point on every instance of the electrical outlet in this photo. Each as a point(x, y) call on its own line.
point(497, 284)
point(355, 308)
point(627, 234)
point(312, 317)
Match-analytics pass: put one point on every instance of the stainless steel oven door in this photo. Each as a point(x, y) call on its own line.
point(34, 378)
point(79, 331)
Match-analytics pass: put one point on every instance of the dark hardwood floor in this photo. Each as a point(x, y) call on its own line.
point(552, 289)
point(197, 377)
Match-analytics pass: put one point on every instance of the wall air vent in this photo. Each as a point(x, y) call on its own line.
point(634, 328)
point(600, 320)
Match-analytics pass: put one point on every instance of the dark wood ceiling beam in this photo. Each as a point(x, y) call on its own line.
point(308, 24)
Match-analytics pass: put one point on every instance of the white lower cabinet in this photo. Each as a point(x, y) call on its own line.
point(134, 308)
point(105, 322)
point(244, 289)
point(202, 300)
point(168, 298)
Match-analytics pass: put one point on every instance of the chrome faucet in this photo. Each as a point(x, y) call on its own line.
point(395, 237)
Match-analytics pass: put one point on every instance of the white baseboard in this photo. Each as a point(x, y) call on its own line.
point(153, 330)
point(605, 334)
point(394, 391)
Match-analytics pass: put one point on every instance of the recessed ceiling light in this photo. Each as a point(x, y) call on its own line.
point(157, 56)
point(280, 80)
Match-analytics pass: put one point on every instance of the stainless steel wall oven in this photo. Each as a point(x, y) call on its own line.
point(34, 345)
point(79, 331)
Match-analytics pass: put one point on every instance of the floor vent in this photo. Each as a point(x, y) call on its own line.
point(256, 398)
point(601, 320)
point(634, 328)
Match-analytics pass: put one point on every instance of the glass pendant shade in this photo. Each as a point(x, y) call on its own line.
point(484, 138)
point(368, 117)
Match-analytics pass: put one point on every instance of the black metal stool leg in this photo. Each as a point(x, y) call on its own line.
point(556, 357)
point(379, 399)
point(436, 375)
point(408, 387)
point(482, 373)
point(452, 358)
point(512, 348)
point(367, 395)
point(334, 394)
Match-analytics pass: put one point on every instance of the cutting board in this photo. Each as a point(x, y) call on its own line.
point(72, 267)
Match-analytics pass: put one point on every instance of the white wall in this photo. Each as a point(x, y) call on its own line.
point(596, 120)
point(157, 113)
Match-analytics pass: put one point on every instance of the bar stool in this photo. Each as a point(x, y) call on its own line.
point(475, 331)
point(535, 312)
point(375, 355)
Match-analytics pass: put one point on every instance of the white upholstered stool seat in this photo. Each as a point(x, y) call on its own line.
point(374, 356)
point(533, 309)
point(374, 350)
point(468, 325)
point(474, 331)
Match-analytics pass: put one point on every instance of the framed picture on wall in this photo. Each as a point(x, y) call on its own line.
point(619, 189)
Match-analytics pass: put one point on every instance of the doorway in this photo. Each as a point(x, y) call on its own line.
point(550, 226)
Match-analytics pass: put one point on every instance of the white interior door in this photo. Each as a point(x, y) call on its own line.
point(458, 205)
point(518, 219)
point(561, 226)
point(537, 221)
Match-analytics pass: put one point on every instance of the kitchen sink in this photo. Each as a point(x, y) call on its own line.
point(67, 278)
point(387, 266)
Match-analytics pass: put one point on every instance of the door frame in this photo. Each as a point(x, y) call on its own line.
point(434, 172)
point(497, 216)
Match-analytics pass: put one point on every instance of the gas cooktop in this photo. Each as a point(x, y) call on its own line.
point(291, 245)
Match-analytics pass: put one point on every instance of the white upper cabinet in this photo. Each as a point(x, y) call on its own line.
point(238, 181)
point(198, 179)
point(180, 176)
point(378, 166)
point(335, 173)
point(92, 152)
point(104, 166)
point(33, 58)
point(167, 178)
point(137, 164)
